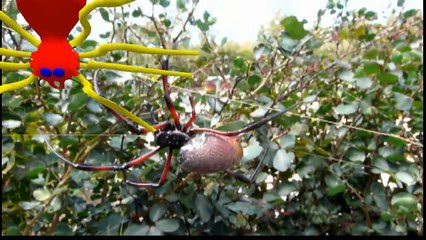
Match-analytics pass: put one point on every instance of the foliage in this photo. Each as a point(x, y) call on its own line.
point(348, 161)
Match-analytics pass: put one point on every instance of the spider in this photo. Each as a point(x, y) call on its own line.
point(55, 60)
point(202, 150)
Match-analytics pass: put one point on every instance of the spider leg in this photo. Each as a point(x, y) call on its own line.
point(248, 180)
point(90, 167)
point(249, 127)
point(12, 24)
point(131, 125)
point(17, 85)
point(85, 11)
point(127, 68)
point(14, 53)
point(193, 114)
point(107, 47)
point(88, 89)
point(167, 98)
point(163, 175)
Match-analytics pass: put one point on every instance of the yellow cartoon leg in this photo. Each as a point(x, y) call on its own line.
point(14, 66)
point(88, 89)
point(14, 53)
point(85, 11)
point(12, 24)
point(127, 68)
point(107, 47)
point(17, 85)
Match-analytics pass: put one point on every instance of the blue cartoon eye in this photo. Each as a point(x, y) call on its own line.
point(45, 72)
point(59, 72)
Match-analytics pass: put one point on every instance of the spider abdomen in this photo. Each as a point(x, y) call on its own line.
point(209, 153)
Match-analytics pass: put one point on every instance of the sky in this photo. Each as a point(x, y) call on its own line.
point(241, 20)
point(243, 24)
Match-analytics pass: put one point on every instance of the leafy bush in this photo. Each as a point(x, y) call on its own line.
point(349, 160)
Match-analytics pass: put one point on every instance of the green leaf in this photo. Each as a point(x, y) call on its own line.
point(396, 141)
point(335, 185)
point(409, 13)
point(165, 3)
point(405, 178)
point(364, 83)
point(242, 207)
point(310, 99)
point(286, 188)
point(251, 151)
point(77, 101)
point(294, 28)
point(168, 225)
point(370, 15)
point(30, 205)
point(52, 118)
point(404, 202)
point(366, 107)
point(157, 211)
point(137, 12)
point(181, 5)
point(41, 194)
point(336, 189)
point(202, 26)
point(401, 3)
point(388, 152)
point(254, 80)
point(94, 106)
point(203, 208)
point(89, 44)
point(387, 78)
point(287, 43)
point(403, 102)
point(288, 141)
point(166, 22)
point(136, 230)
point(106, 35)
point(231, 126)
point(12, 77)
point(372, 68)
point(371, 54)
point(67, 141)
point(104, 14)
point(346, 109)
point(357, 156)
point(63, 229)
point(379, 195)
point(262, 50)
point(299, 129)
point(397, 58)
point(11, 124)
point(283, 160)
point(240, 63)
point(154, 231)
point(347, 76)
point(387, 216)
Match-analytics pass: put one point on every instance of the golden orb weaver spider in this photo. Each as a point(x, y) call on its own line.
point(202, 150)
point(55, 61)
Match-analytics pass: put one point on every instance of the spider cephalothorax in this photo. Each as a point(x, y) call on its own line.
point(171, 137)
